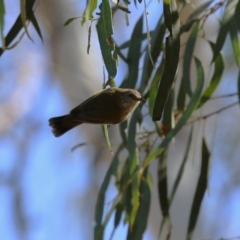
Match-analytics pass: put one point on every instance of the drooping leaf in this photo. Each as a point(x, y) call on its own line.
point(181, 169)
point(105, 31)
point(2, 21)
point(224, 29)
point(186, 115)
point(134, 55)
point(24, 17)
point(188, 56)
point(200, 190)
point(88, 12)
point(195, 16)
point(18, 25)
point(70, 20)
point(217, 75)
point(171, 57)
point(238, 85)
point(136, 231)
point(237, 15)
point(157, 48)
point(233, 30)
point(105, 130)
point(163, 189)
point(35, 25)
point(181, 97)
point(99, 229)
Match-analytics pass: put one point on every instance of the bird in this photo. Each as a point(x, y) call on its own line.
point(108, 106)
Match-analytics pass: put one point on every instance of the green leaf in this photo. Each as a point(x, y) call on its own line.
point(217, 75)
point(2, 21)
point(188, 55)
point(134, 55)
point(136, 231)
point(224, 29)
point(157, 48)
point(70, 20)
point(163, 189)
point(194, 16)
point(186, 115)
point(105, 31)
point(181, 169)
point(135, 187)
point(123, 127)
point(181, 97)
point(90, 8)
point(154, 86)
point(237, 15)
point(171, 56)
point(200, 190)
point(105, 130)
point(24, 17)
point(35, 25)
point(18, 25)
point(98, 230)
point(233, 30)
point(239, 86)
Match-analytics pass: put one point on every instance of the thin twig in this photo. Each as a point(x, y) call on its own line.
point(212, 113)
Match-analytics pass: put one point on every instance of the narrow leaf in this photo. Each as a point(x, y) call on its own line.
point(24, 17)
point(70, 20)
point(186, 115)
point(162, 188)
point(90, 8)
point(98, 230)
point(171, 56)
point(105, 130)
point(2, 21)
point(233, 29)
point(182, 167)
point(217, 75)
point(188, 55)
point(224, 29)
point(35, 25)
point(200, 190)
point(134, 55)
point(105, 31)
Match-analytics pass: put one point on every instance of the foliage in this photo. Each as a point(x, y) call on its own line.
point(167, 101)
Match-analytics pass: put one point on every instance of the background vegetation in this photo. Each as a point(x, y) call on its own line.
point(184, 58)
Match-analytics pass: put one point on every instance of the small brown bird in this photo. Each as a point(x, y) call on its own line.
point(109, 106)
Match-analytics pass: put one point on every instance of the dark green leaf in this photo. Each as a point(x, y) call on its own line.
point(181, 97)
point(186, 115)
point(98, 230)
point(105, 31)
point(87, 14)
point(171, 56)
point(224, 29)
point(200, 190)
point(134, 55)
point(70, 20)
point(123, 127)
point(162, 187)
point(36, 26)
point(18, 25)
point(2, 21)
point(217, 75)
point(188, 55)
point(105, 130)
point(181, 169)
point(157, 48)
point(136, 231)
point(239, 86)
point(234, 39)
point(237, 15)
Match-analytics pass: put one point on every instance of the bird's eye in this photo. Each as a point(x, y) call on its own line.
point(131, 95)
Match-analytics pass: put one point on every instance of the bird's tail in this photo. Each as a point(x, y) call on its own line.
point(62, 124)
